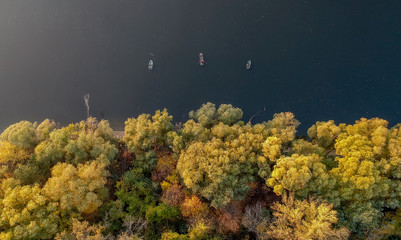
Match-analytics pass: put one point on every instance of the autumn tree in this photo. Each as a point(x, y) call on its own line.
point(22, 134)
point(281, 131)
point(201, 121)
point(220, 155)
point(26, 213)
point(302, 220)
point(17, 145)
point(208, 115)
point(45, 128)
point(368, 171)
point(78, 189)
point(283, 126)
point(10, 156)
point(170, 235)
point(272, 148)
point(304, 175)
point(221, 168)
point(195, 210)
point(324, 134)
point(209, 178)
point(82, 231)
point(75, 144)
point(145, 134)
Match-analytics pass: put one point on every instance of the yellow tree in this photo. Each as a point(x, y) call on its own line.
point(44, 129)
point(272, 148)
point(82, 231)
point(301, 174)
point(365, 178)
point(74, 144)
point(368, 173)
point(281, 131)
point(10, 156)
point(283, 126)
point(208, 115)
point(302, 220)
point(27, 213)
point(220, 155)
point(22, 134)
point(78, 189)
point(324, 134)
point(145, 134)
point(221, 168)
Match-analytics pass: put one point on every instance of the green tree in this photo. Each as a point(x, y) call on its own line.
point(162, 218)
point(136, 193)
point(44, 129)
point(208, 115)
point(22, 134)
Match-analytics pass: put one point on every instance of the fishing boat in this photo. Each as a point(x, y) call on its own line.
point(201, 59)
point(248, 64)
point(150, 65)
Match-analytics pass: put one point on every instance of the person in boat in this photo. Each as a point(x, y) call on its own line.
point(248, 64)
point(150, 65)
point(201, 60)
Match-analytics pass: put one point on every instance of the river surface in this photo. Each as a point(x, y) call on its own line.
point(321, 60)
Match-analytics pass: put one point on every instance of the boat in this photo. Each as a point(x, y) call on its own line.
point(201, 59)
point(150, 65)
point(248, 64)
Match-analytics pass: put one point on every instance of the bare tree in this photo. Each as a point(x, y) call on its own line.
point(253, 216)
point(134, 228)
point(86, 98)
point(256, 114)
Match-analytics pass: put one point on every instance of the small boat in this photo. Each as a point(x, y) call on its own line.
point(201, 59)
point(248, 64)
point(150, 65)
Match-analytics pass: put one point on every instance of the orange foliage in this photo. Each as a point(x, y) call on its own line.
point(164, 167)
point(229, 218)
point(194, 208)
point(173, 195)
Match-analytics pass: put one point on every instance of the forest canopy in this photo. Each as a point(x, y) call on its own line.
point(216, 176)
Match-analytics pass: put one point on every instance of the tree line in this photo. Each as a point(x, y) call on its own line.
point(213, 177)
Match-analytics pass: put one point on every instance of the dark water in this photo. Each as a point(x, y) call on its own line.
point(321, 60)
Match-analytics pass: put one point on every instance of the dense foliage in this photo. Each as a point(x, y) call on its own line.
point(212, 177)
